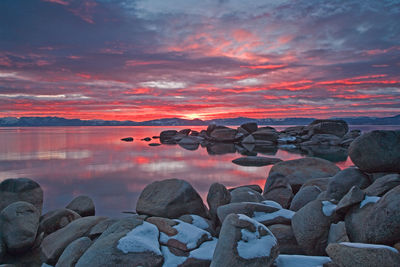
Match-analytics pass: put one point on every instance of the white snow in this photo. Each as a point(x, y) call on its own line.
point(250, 193)
point(271, 203)
point(369, 199)
point(199, 222)
point(265, 216)
point(205, 251)
point(287, 138)
point(328, 208)
point(188, 234)
point(252, 244)
point(364, 245)
point(171, 260)
point(301, 261)
point(144, 238)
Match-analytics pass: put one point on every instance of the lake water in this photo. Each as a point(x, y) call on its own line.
point(70, 161)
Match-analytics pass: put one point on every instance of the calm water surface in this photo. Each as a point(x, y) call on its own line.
point(70, 161)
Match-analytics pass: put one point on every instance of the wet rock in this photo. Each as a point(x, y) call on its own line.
point(54, 244)
point(244, 242)
point(341, 183)
point(83, 205)
point(127, 139)
point(56, 219)
point(311, 226)
point(19, 224)
point(99, 228)
point(73, 252)
point(154, 144)
point(147, 139)
point(170, 198)
point(21, 189)
point(185, 131)
point(266, 135)
point(337, 233)
point(286, 240)
point(299, 171)
point(245, 194)
point(250, 127)
point(128, 242)
point(363, 255)
point(217, 196)
point(353, 134)
point(224, 135)
point(167, 137)
point(221, 148)
point(377, 151)
point(382, 185)
point(304, 196)
point(255, 161)
point(335, 127)
point(323, 139)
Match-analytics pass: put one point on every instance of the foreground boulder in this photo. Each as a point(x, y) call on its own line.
point(341, 183)
point(363, 255)
point(128, 242)
point(73, 252)
point(56, 219)
point(299, 171)
point(170, 198)
point(286, 239)
point(382, 185)
point(217, 196)
point(244, 242)
point(377, 151)
point(245, 194)
point(19, 224)
point(83, 205)
point(21, 189)
point(306, 194)
point(311, 226)
point(54, 244)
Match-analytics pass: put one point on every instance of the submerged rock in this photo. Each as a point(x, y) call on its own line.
point(170, 198)
point(255, 161)
point(127, 139)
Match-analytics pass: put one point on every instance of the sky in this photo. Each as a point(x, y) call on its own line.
point(148, 59)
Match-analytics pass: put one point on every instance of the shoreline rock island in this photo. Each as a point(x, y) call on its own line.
point(309, 213)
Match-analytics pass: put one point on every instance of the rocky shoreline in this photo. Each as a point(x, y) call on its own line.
point(310, 213)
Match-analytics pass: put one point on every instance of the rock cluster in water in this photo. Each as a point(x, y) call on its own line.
point(310, 213)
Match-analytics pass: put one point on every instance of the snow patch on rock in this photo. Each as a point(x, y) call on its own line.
point(199, 222)
point(265, 216)
point(328, 208)
point(271, 203)
point(205, 251)
point(369, 199)
point(364, 245)
point(300, 261)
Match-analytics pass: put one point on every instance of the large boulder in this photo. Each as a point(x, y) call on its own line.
point(270, 135)
point(286, 240)
point(338, 233)
point(353, 197)
point(341, 183)
point(377, 151)
point(322, 139)
point(168, 136)
point(244, 242)
point(73, 252)
point(249, 209)
point(83, 205)
point(224, 135)
point(245, 194)
point(363, 255)
point(278, 190)
point(335, 127)
point(128, 242)
point(311, 226)
point(217, 196)
point(305, 195)
point(54, 244)
point(250, 127)
point(170, 198)
point(56, 219)
point(299, 171)
point(376, 220)
point(19, 223)
point(21, 189)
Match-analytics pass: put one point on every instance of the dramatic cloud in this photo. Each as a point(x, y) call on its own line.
point(146, 59)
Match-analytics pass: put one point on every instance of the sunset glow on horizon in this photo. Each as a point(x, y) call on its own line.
point(149, 59)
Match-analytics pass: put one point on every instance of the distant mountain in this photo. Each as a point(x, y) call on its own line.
point(57, 121)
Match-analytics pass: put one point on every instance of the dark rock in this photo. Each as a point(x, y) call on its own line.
point(154, 144)
point(323, 139)
point(217, 196)
point(194, 133)
point(167, 137)
point(19, 223)
point(127, 139)
point(83, 205)
point(305, 195)
point(322, 183)
point(221, 148)
point(245, 194)
point(377, 151)
point(254, 187)
point(111, 248)
point(21, 189)
point(224, 135)
point(250, 127)
point(278, 190)
point(185, 131)
point(286, 240)
point(338, 233)
point(363, 255)
point(299, 171)
point(54, 244)
point(102, 226)
point(73, 252)
point(327, 152)
point(341, 183)
point(255, 161)
point(335, 127)
point(353, 197)
point(56, 219)
point(147, 139)
point(311, 226)
point(246, 208)
point(170, 198)
point(353, 134)
point(239, 242)
point(382, 185)
point(266, 135)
